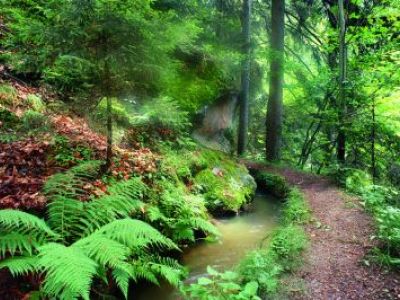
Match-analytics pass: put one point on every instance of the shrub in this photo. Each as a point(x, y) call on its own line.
point(119, 113)
point(357, 181)
point(261, 266)
point(8, 119)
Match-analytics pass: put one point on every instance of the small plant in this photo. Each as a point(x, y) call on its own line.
point(68, 155)
point(8, 95)
point(295, 209)
point(34, 121)
point(221, 286)
point(35, 103)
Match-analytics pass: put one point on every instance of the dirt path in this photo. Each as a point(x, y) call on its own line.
point(340, 239)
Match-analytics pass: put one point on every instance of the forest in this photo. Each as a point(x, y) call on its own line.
point(199, 149)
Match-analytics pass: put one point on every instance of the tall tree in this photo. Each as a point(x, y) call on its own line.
point(245, 88)
point(341, 139)
point(275, 102)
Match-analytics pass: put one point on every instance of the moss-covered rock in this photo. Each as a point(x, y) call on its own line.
point(272, 183)
point(225, 184)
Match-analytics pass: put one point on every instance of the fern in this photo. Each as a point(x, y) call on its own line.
point(16, 243)
point(135, 234)
point(84, 240)
point(69, 184)
point(69, 272)
point(23, 222)
point(22, 265)
point(123, 199)
point(103, 250)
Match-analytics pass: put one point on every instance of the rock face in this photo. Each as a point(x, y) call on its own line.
point(216, 122)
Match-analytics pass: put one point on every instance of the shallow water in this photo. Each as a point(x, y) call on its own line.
point(239, 235)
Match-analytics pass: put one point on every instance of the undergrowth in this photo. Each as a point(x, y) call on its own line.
point(80, 242)
point(383, 203)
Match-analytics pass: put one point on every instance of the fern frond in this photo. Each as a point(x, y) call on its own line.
point(103, 250)
point(204, 225)
point(20, 265)
point(14, 242)
point(121, 278)
point(65, 215)
point(19, 221)
point(69, 184)
point(167, 268)
point(135, 233)
point(152, 267)
point(69, 272)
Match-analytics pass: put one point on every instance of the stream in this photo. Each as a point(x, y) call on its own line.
point(239, 235)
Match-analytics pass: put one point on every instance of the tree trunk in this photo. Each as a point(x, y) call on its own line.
point(342, 107)
point(275, 103)
point(373, 137)
point(245, 89)
point(109, 135)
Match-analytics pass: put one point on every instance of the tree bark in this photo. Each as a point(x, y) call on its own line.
point(245, 88)
point(275, 103)
point(373, 137)
point(109, 135)
point(342, 108)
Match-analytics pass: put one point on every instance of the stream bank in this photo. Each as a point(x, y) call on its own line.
point(239, 235)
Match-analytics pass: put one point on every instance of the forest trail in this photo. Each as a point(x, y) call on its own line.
point(340, 236)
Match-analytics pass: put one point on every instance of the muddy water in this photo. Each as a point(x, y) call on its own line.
point(239, 235)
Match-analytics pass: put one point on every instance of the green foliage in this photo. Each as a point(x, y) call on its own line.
point(295, 209)
point(119, 113)
point(65, 154)
point(8, 95)
point(226, 185)
point(272, 183)
point(382, 203)
point(220, 286)
point(163, 113)
point(180, 214)
point(34, 121)
point(82, 241)
point(262, 269)
point(36, 103)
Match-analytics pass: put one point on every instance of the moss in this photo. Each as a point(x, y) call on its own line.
point(224, 183)
point(225, 191)
point(274, 184)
